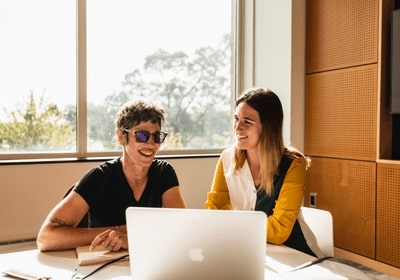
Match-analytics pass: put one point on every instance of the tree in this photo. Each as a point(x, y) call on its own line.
point(194, 92)
point(36, 126)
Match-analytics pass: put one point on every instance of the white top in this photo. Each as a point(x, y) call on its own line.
point(242, 192)
point(243, 196)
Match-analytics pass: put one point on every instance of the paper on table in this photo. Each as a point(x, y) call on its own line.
point(276, 266)
point(24, 274)
point(97, 255)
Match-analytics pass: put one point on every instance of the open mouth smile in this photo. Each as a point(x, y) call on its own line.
point(146, 153)
point(241, 137)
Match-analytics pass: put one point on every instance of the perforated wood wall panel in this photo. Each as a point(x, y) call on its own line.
point(347, 189)
point(388, 214)
point(341, 113)
point(341, 33)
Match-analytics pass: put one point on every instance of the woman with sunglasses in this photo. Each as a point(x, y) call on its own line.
point(102, 195)
point(259, 173)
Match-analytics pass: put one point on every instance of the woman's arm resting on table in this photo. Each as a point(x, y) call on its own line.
point(59, 231)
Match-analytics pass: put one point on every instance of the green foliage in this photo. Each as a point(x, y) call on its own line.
point(36, 126)
point(193, 90)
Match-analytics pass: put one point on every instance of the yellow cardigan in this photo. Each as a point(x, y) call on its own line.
point(287, 206)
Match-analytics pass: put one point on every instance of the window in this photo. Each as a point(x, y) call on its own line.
point(38, 76)
point(60, 94)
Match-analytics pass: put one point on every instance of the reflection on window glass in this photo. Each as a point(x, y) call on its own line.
point(38, 76)
point(176, 53)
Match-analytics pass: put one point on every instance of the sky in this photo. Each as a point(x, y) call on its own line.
point(38, 44)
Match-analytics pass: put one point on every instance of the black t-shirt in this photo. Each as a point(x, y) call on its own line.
point(108, 193)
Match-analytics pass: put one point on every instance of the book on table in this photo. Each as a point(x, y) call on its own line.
point(98, 255)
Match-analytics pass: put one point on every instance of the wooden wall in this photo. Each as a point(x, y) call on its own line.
point(348, 125)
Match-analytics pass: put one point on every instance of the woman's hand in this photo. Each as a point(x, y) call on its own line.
point(110, 239)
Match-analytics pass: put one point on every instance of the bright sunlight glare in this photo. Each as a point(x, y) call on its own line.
point(38, 50)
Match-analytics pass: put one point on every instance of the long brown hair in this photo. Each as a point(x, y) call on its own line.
point(271, 147)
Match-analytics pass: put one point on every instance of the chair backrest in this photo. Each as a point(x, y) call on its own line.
point(320, 230)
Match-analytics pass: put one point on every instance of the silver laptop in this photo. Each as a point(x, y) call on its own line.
point(189, 244)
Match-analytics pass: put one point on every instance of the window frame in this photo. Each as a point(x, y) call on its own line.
point(255, 63)
point(81, 101)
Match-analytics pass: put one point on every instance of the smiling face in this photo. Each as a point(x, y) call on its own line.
point(141, 153)
point(247, 127)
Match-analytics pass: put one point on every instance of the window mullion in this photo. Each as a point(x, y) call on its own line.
point(81, 111)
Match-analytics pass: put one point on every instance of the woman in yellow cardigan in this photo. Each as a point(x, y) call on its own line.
point(259, 173)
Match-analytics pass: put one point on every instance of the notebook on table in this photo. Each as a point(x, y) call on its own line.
point(167, 243)
point(98, 255)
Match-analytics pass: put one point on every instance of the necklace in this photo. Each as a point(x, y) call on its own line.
point(133, 182)
point(138, 181)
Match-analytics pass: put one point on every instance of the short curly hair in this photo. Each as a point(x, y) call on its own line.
point(133, 113)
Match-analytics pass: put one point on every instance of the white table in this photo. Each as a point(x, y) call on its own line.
point(279, 261)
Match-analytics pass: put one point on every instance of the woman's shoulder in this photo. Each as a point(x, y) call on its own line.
point(110, 164)
point(102, 174)
point(297, 157)
point(228, 152)
point(226, 157)
point(161, 164)
point(106, 168)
